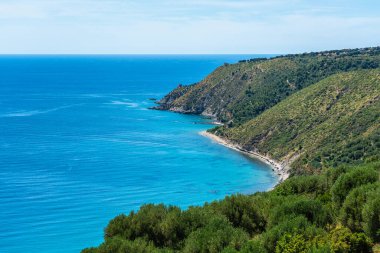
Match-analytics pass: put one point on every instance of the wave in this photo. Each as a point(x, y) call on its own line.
point(127, 103)
point(140, 143)
point(33, 112)
point(95, 95)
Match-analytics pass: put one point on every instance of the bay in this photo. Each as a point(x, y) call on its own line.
point(78, 146)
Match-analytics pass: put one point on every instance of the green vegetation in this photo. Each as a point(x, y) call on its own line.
point(236, 93)
point(335, 211)
point(319, 113)
point(335, 121)
point(309, 111)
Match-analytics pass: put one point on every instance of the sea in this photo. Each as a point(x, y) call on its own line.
point(79, 145)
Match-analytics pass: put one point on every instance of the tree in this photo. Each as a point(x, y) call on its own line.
point(342, 240)
point(242, 212)
point(351, 211)
point(371, 216)
point(292, 244)
point(216, 236)
point(350, 180)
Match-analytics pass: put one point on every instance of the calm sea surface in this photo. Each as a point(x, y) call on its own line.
point(78, 146)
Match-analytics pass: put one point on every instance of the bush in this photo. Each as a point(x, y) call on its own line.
point(350, 180)
point(214, 237)
point(351, 211)
point(197, 217)
point(119, 226)
point(255, 245)
point(315, 184)
point(241, 211)
point(343, 240)
point(157, 223)
point(117, 244)
point(292, 244)
point(296, 225)
point(312, 210)
point(371, 216)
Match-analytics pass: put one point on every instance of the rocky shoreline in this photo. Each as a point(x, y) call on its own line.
point(280, 169)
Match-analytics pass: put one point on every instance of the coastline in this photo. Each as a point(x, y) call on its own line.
point(281, 170)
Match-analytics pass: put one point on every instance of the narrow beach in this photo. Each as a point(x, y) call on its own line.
point(280, 169)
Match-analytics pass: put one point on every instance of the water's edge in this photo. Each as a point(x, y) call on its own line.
point(281, 169)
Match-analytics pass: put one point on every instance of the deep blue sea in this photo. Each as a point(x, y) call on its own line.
point(78, 146)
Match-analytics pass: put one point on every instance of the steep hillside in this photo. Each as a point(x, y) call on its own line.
point(311, 111)
point(335, 121)
point(235, 93)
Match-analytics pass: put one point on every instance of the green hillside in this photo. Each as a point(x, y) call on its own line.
point(235, 93)
point(335, 121)
point(318, 112)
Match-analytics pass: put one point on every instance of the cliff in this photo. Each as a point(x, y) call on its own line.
point(236, 93)
point(310, 110)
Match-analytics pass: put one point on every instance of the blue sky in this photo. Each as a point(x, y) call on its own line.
point(186, 27)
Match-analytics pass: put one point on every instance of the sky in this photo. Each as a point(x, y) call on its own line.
point(187, 26)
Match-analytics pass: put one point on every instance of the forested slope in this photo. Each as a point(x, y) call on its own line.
point(335, 121)
point(235, 93)
point(320, 111)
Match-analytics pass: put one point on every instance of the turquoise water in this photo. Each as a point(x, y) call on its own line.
point(78, 146)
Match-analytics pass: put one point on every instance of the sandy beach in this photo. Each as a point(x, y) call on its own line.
point(281, 170)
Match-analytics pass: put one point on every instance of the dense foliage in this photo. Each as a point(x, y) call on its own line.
point(274, 106)
point(335, 211)
point(319, 112)
point(335, 121)
point(236, 93)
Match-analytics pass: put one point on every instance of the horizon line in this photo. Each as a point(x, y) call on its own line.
point(177, 54)
point(132, 54)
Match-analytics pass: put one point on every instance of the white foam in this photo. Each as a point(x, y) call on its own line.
point(95, 95)
point(129, 104)
point(33, 112)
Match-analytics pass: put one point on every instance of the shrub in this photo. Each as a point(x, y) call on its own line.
point(117, 244)
point(296, 225)
point(350, 180)
point(312, 210)
point(343, 240)
point(292, 244)
point(315, 184)
point(157, 223)
point(255, 245)
point(197, 217)
point(241, 211)
point(351, 211)
point(119, 226)
point(371, 216)
point(214, 237)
